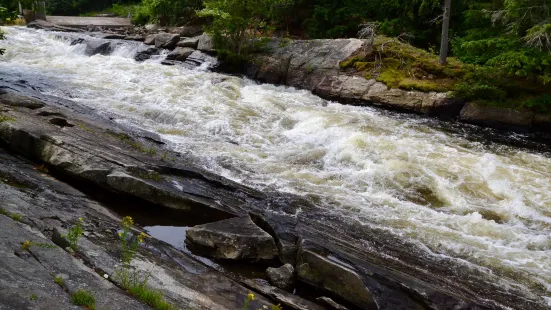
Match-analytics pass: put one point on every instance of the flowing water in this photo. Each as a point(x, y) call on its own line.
point(485, 203)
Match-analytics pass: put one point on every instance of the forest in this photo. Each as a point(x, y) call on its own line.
point(501, 48)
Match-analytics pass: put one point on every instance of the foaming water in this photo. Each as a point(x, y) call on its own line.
point(484, 204)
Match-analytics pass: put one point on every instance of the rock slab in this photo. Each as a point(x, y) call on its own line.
point(233, 239)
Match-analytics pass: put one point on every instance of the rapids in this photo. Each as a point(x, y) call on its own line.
point(486, 204)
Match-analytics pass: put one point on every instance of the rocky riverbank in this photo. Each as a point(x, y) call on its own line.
point(315, 65)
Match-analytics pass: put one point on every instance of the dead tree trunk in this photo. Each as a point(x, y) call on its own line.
point(445, 32)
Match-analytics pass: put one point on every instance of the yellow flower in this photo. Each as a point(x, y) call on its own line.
point(127, 221)
point(80, 219)
point(26, 245)
point(141, 237)
point(120, 234)
point(250, 296)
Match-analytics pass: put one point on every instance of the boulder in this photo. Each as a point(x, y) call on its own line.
point(188, 31)
point(205, 43)
point(166, 40)
point(496, 117)
point(235, 239)
point(98, 47)
point(333, 276)
point(152, 27)
point(542, 121)
point(189, 42)
point(282, 277)
point(149, 40)
point(180, 53)
point(146, 54)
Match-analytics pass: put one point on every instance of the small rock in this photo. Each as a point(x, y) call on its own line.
point(152, 27)
point(136, 37)
point(330, 303)
point(188, 31)
point(189, 42)
point(180, 53)
point(236, 238)
point(282, 277)
point(149, 40)
point(146, 54)
point(166, 40)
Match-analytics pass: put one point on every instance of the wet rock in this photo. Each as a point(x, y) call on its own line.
point(149, 40)
point(180, 53)
point(236, 238)
point(166, 40)
point(98, 47)
point(189, 42)
point(320, 271)
point(542, 121)
point(198, 58)
point(205, 43)
point(330, 303)
point(496, 117)
point(282, 277)
point(146, 54)
point(16, 100)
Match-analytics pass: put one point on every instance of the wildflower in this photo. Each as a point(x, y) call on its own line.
point(141, 237)
point(127, 221)
point(250, 296)
point(120, 234)
point(80, 219)
point(106, 276)
point(26, 245)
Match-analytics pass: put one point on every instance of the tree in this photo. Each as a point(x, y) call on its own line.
point(445, 32)
point(235, 21)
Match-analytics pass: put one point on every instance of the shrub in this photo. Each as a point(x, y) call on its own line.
point(479, 91)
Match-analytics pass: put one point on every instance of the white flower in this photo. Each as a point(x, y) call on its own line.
point(106, 276)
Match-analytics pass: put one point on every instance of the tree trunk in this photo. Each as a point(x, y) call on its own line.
point(445, 32)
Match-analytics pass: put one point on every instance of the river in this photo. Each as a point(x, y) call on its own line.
point(485, 203)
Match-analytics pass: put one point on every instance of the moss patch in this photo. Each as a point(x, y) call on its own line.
point(400, 65)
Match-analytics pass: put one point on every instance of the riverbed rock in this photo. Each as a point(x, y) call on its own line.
point(114, 36)
point(149, 40)
point(235, 239)
point(136, 37)
point(180, 53)
point(542, 121)
point(496, 117)
point(320, 271)
point(189, 42)
point(146, 54)
point(101, 47)
point(282, 277)
point(205, 43)
point(166, 40)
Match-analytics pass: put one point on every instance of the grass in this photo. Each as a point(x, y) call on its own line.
point(33, 297)
point(84, 298)
point(14, 216)
point(151, 176)
point(152, 298)
point(59, 281)
point(5, 118)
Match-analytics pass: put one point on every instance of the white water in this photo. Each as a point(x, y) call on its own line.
point(490, 206)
